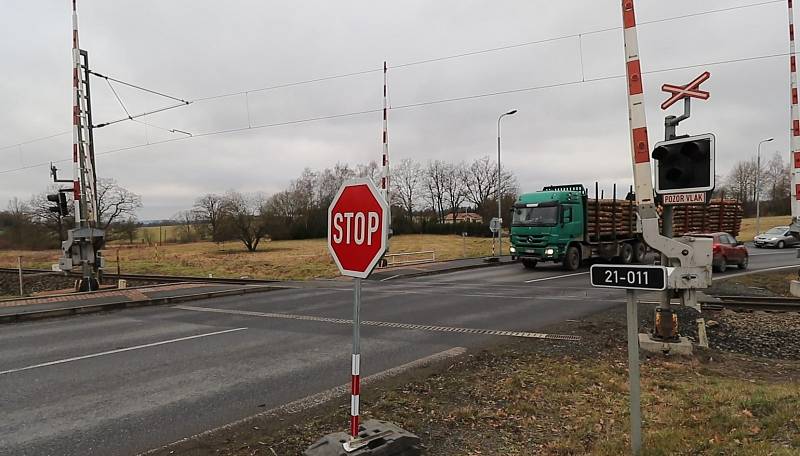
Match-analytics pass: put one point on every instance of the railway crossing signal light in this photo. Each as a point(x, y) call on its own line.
point(61, 207)
point(685, 164)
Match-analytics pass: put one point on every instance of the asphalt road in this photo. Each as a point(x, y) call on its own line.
point(124, 382)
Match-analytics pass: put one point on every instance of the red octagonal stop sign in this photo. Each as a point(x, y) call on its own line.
point(357, 227)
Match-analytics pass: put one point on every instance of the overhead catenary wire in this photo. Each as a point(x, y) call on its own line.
point(116, 95)
point(109, 78)
point(409, 106)
point(376, 70)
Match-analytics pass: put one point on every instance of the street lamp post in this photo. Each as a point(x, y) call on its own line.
point(758, 185)
point(500, 187)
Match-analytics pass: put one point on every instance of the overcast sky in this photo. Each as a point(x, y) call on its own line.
point(575, 133)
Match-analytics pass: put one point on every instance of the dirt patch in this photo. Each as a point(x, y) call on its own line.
point(531, 397)
point(43, 283)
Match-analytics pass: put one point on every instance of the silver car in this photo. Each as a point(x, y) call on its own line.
point(778, 237)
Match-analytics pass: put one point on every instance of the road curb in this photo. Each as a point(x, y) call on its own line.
point(445, 271)
point(106, 307)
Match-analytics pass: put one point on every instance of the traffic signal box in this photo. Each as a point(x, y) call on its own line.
point(684, 165)
point(61, 207)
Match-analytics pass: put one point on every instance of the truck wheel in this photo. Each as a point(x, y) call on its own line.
point(626, 254)
point(639, 252)
point(529, 264)
point(572, 259)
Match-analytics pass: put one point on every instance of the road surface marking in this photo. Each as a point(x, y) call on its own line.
point(556, 277)
point(780, 252)
point(756, 271)
point(384, 324)
point(390, 278)
point(120, 350)
point(318, 398)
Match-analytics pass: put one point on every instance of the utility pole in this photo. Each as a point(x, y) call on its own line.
point(794, 129)
point(500, 188)
point(385, 182)
point(81, 249)
point(758, 184)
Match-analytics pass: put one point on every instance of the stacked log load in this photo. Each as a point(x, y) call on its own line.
point(608, 219)
point(719, 215)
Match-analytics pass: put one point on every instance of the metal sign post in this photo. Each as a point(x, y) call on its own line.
point(633, 373)
point(356, 364)
point(358, 230)
point(631, 278)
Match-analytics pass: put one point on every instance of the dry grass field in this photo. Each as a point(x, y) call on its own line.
point(748, 230)
point(303, 259)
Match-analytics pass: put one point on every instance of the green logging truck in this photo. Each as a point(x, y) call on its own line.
point(562, 224)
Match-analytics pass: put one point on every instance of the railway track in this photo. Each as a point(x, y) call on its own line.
point(148, 277)
point(752, 303)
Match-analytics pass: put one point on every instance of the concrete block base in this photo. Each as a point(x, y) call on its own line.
point(794, 288)
point(649, 345)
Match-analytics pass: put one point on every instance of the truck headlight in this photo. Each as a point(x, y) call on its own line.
point(549, 251)
point(512, 249)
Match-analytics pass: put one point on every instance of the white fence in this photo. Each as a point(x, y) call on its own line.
point(398, 259)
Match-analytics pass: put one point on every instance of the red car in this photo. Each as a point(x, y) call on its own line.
point(727, 251)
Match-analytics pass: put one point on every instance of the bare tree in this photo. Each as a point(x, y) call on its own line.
point(248, 216)
point(777, 183)
point(434, 187)
point(454, 187)
point(187, 220)
point(211, 209)
point(741, 181)
point(480, 178)
point(114, 201)
point(329, 181)
point(370, 170)
point(127, 229)
point(407, 178)
point(40, 212)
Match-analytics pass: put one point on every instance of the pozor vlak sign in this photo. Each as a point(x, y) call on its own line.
point(357, 227)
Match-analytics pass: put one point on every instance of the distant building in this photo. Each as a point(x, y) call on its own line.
point(463, 217)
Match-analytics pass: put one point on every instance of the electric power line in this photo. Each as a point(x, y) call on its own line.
point(414, 63)
point(118, 99)
point(54, 135)
point(410, 106)
point(109, 78)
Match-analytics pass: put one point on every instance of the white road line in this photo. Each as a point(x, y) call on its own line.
point(111, 352)
point(784, 252)
point(556, 277)
point(390, 278)
point(756, 271)
point(384, 324)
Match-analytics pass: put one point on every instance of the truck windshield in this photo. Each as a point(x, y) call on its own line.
point(536, 216)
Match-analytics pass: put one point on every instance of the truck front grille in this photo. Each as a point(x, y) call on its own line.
point(531, 240)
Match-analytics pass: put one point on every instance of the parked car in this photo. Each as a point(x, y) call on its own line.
point(778, 237)
point(727, 251)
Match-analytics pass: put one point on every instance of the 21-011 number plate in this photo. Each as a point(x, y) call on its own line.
point(629, 277)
